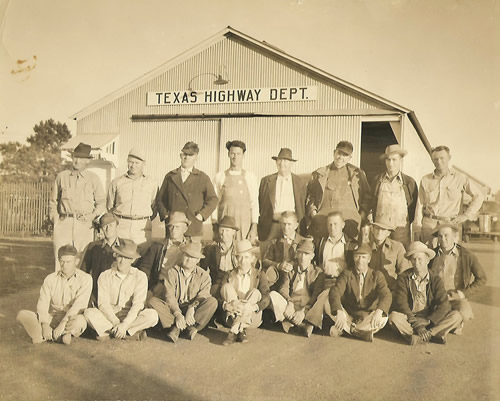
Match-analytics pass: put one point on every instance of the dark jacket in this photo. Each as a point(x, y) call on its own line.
point(411, 193)
point(196, 195)
point(319, 247)
point(267, 197)
point(345, 293)
point(474, 277)
point(211, 263)
point(275, 252)
point(437, 299)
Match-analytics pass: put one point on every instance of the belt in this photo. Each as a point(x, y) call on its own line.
point(131, 217)
point(442, 218)
point(64, 215)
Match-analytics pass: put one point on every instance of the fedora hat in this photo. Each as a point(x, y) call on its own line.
point(363, 249)
point(192, 249)
point(444, 225)
point(177, 217)
point(393, 149)
point(286, 154)
point(138, 154)
point(416, 247)
point(383, 225)
point(244, 246)
point(126, 248)
point(82, 151)
point(228, 222)
point(107, 218)
point(306, 246)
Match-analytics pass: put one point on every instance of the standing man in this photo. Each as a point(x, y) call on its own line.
point(339, 186)
point(395, 196)
point(238, 194)
point(132, 199)
point(440, 197)
point(189, 190)
point(76, 200)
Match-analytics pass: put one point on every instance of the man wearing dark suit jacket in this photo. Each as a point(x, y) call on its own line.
point(280, 192)
point(360, 299)
point(189, 190)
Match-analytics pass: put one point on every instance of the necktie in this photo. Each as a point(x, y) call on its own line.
point(361, 284)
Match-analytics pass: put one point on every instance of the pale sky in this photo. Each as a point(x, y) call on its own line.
point(440, 58)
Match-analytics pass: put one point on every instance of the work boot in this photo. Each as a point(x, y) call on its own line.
point(231, 338)
point(242, 336)
point(191, 332)
point(308, 329)
point(173, 334)
point(439, 339)
point(365, 335)
point(287, 325)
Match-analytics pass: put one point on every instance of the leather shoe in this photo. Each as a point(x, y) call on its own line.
point(66, 339)
point(191, 332)
point(308, 329)
point(231, 338)
point(334, 332)
point(438, 339)
point(173, 334)
point(287, 325)
point(365, 335)
point(242, 336)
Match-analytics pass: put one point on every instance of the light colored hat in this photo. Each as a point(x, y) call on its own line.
point(177, 217)
point(244, 246)
point(392, 149)
point(138, 154)
point(416, 247)
point(444, 225)
point(192, 249)
point(126, 248)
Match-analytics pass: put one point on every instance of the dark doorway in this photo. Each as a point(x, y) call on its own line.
point(375, 137)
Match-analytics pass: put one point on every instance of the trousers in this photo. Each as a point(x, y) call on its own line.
point(237, 323)
point(399, 322)
point(279, 304)
point(138, 231)
point(363, 325)
point(71, 231)
point(145, 319)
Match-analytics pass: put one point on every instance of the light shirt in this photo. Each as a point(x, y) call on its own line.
point(442, 196)
point(285, 200)
point(391, 206)
point(122, 294)
point(418, 289)
point(172, 256)
point(185, 173)
point(334, 254)
point(132, 197)
point(226, 258)
point(361, 277)
point(185, 279)
point(59, 295)
point(300, 281)
point(243, 283)
point(446, 265)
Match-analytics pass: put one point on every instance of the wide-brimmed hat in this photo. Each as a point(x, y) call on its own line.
point(190, 148)
point(306, 245)
point(126, 248)
point(228, 222)
point(138, 154)
point(244, 246)
point(384, 225)
point(393, 149)
point(192, 249)
point(67, 250)
point(286, 154)
point(82, 151)
point(444, 225)
point(107, 218)
point(363, 249)
point(345, 147)
point(177, 217)
point(416, 247)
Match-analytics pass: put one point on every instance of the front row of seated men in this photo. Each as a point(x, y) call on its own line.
point(355, 291)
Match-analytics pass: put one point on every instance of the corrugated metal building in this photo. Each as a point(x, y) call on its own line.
point(234, 87)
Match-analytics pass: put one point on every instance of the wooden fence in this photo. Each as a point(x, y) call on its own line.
point(24, 207)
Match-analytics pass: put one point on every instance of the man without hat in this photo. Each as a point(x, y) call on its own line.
point(99, 255)
point(132, 199)
point(238, 193)
point(76, 200)
point(187, 305)
point(340, 186)
point(360, 299)
point(459, 270)
point(244, 294)
point(440, 197)
point(421, 311)
point(280, 192)
point(121, 298)
point(395, 195)
point(189, 190)
point(64, 296)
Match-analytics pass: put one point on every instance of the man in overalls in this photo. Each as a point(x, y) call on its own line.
point(238, 194)
point(339, 186)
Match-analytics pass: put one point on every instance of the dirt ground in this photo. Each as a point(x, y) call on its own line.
point(272, 366)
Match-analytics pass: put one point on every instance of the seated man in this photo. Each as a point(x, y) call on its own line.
point(280, 253)
point(187, 301)
point(98, 255)
point(360, 299)
point(160, 257)
point(245, 293)
point(421, 311)
point(219, 256)
point(459, 269)
point(63, 298)
point(298, 290)
point(388, 255)
point(122, 293)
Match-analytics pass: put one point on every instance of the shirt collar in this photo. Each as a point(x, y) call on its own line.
point(341, 240)
point(398, 176)
point(130, 272)
point(115, 243)
point(454, 251)
point(128, 176)
point(170, 242)
point(450, 172)
point(285, 238)
point(185, 274)
point(286, 178)
point(186, 170)
point(425, 279)
point(78, 173)
point(60, 274)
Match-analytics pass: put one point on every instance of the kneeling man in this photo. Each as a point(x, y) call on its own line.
point(121, 295)
point(421, 310)
point(63, 297)
point(360, 298)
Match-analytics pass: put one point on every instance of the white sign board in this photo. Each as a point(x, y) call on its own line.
point(221, 96)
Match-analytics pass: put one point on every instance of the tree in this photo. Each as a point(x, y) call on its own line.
point(40, 160)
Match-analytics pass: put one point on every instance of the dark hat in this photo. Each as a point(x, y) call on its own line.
point(236, 144)
point(126, 248)
point(177, 217)
point(82, 151)
point(192, 249)
point(286, 154)
point(384, 225)
point(138, 154)
point(444, 225)
point(107, 218)
point(345, 147)
point(393, 149)
point(306, 245)
point(190, 148)
point(416, 247)
point(363, 249)
point(228, 222)
point(67, 250)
